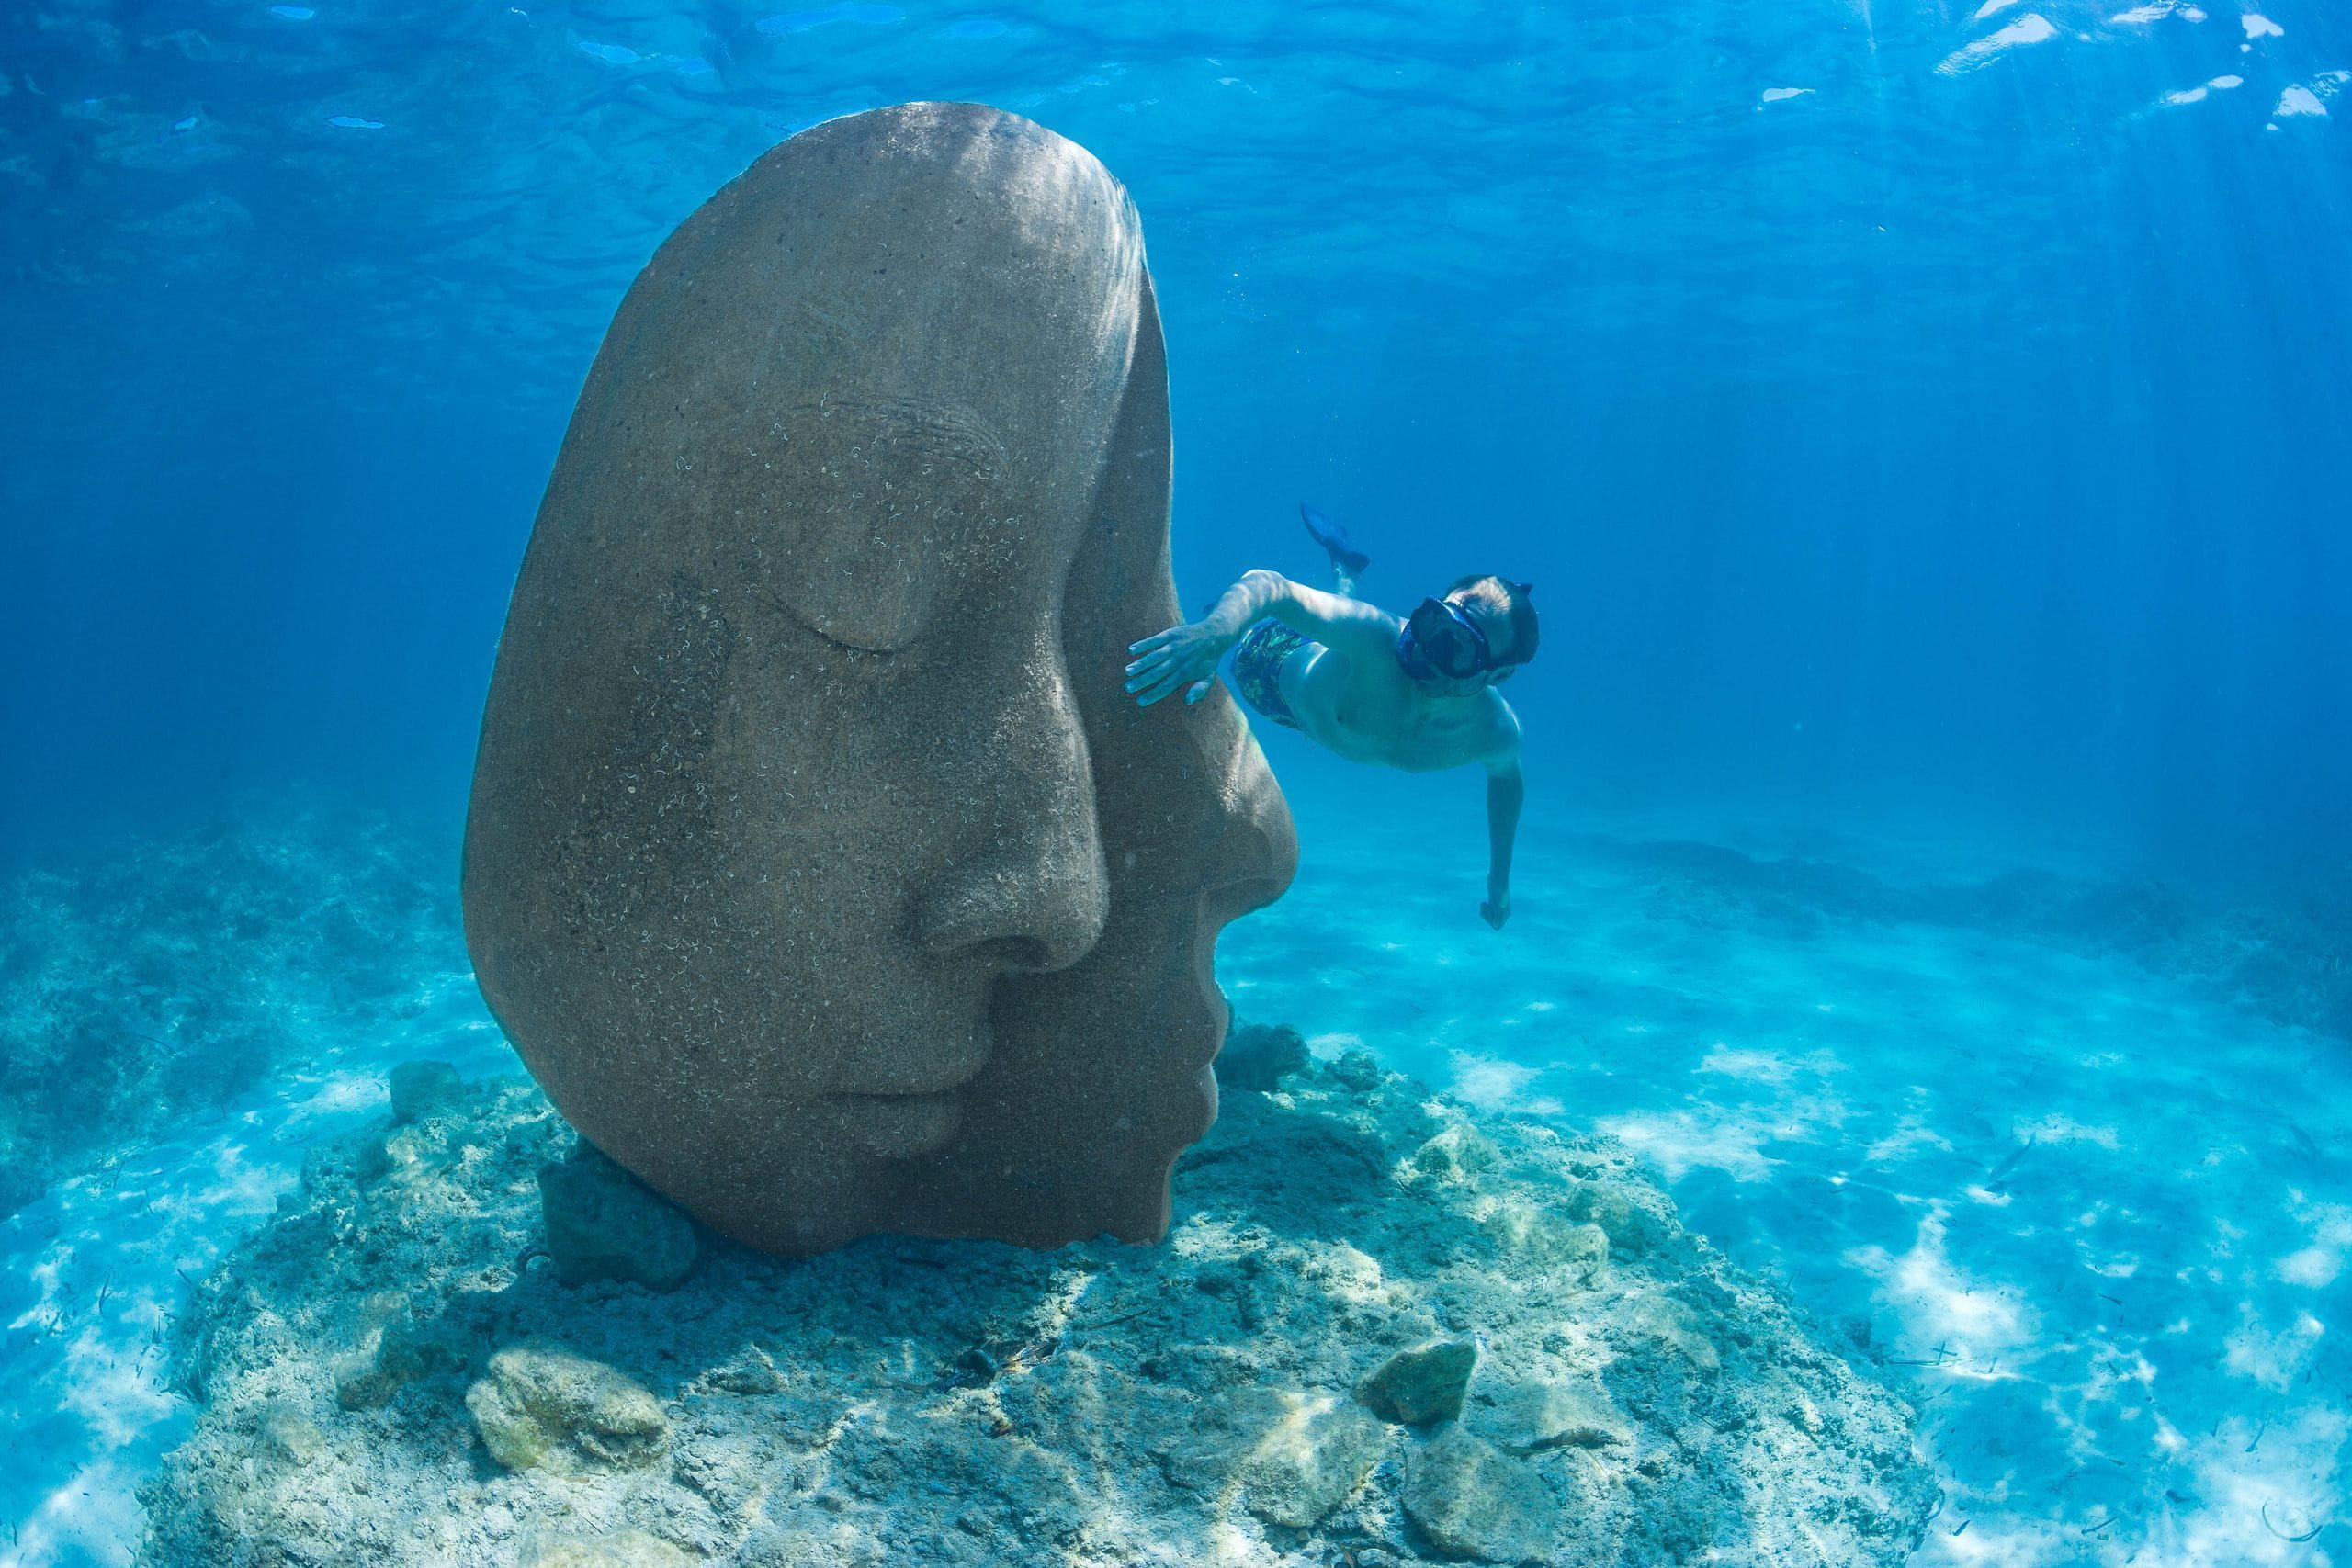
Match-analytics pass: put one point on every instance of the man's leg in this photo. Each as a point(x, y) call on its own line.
point(1348, 563)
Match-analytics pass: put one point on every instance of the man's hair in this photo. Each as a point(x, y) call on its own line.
point(1516, 600)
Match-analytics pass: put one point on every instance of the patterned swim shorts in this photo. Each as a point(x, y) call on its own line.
point(1257, 668)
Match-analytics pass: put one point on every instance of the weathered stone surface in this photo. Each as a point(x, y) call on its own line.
point(1258, 1056)
point(423, 1088)
point(389, 1350)
point(911, 1400)
point(540, 1407)
point(1295, 1455)
point(1545, 1239)
point(1523, 1416)
point(1422, 1384)
point(1675, 1325)
point(289, 1436)
point(783, 920)
point(1456, 1154)
point(604, 1224)
point(1632, 1228)
point(1473, 1500)
point(631, 1549)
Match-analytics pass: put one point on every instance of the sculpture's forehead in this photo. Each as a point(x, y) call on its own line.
point(890, 358)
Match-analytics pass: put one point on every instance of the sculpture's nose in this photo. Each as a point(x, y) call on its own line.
point(1029, 891)
point(1255, 855)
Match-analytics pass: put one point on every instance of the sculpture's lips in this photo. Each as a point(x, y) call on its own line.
point(923, 1107)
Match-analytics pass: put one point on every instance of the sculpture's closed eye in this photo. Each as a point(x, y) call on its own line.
point(872, 479)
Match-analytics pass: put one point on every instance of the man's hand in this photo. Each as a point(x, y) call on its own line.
point(1497, 909)
point(1179, 658)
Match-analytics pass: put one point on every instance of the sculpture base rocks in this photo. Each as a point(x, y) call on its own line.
point(904, 1401)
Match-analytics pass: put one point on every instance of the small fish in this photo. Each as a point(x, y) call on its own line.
point(353, 122)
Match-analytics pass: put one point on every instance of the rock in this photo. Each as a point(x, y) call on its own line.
point(1529, 1415)
point(1631, 1229)
point(289, 1436)
point(1306, 1470)
point(1472, 1500)
point(1358, 1069)
point(951, 974)
point(393, 1355)
point(754, 1374)
point(1257, 1055)
point(940, 1402)
point(1675, 1325)
point(631, 1549)
point(391, 1352)
point(425, 1088)
point(1550, 1241)
point(410, 1350)
point(410, 1154)
point(544, 1408)
point(1457, 1154)
point(1422, 1384)
point(1295, 1455)
point(602, 1224)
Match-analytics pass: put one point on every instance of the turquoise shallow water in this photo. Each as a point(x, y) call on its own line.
point(2095, 1215)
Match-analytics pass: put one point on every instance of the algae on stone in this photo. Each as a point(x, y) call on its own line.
point(631, 1549)
point(1423, 1385)
point(1260, 1056)
point(1473, 1500)
point(1295, 1455)
point(1675, 1325)
point(1523, 1416)
point(542, 1407)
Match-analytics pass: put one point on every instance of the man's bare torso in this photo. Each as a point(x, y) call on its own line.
point(1368, 710)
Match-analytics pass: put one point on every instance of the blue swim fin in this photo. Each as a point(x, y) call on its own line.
point(1333, 538)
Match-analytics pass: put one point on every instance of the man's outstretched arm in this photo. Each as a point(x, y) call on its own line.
point(1506, 791)
point(1184, 657)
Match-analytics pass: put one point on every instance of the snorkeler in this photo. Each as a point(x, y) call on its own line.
point(1417, 694)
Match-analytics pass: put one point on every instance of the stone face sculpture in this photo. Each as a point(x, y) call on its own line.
point(816, 863)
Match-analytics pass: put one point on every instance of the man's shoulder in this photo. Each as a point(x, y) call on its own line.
point(1499, 725)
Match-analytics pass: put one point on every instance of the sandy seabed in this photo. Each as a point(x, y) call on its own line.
point(2058, 1164)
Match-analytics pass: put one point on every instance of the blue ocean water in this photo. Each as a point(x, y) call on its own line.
point(1925, 427)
